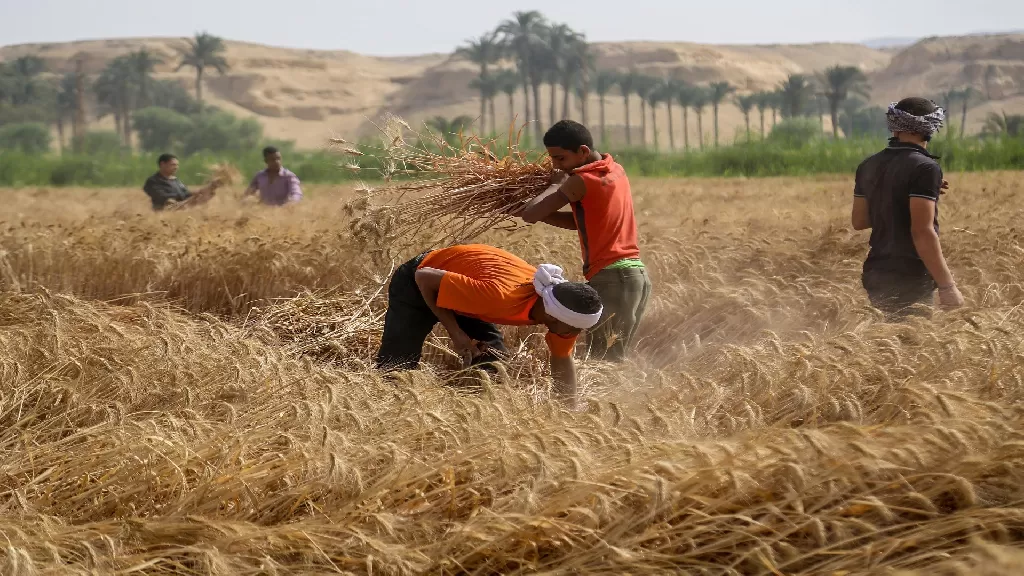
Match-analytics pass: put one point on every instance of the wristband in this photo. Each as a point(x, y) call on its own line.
point(953, 285)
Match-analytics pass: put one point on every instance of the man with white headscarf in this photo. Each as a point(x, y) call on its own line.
point(896, 195)
point(470, 289)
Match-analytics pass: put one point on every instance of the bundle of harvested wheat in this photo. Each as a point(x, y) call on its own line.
point(221, 175)
point(450, 192)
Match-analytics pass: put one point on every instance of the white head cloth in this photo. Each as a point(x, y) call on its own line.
point(544, 281)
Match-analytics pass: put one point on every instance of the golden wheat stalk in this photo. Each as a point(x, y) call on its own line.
point(449, 193)
point(221, 175)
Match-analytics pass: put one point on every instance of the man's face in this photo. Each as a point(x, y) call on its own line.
point(567, 160)
point(560, 328)
point(273, 161)
point(169, 168)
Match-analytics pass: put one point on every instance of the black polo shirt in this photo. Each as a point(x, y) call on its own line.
point(888, 180)
point(161, 190)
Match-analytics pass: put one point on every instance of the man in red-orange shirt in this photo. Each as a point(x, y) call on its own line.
point(597, 189)
point(470, 289)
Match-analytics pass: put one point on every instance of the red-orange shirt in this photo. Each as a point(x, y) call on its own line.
point(604, 217)
point(492, 285)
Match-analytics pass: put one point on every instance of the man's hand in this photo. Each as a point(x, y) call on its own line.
point(950, 297)
point(944, 187)
point(558, 178)
point(465, 346)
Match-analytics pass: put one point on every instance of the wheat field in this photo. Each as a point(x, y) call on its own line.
point(191, 393)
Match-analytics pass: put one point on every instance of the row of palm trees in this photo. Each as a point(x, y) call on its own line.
point(543, 53)
point(552, 54)
point(125, 85)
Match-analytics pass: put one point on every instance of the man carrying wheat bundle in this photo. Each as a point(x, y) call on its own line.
point(470, 289)
point(598, 192)
point(896, 195)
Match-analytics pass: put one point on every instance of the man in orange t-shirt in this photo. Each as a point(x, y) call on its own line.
point(472, 288)
point(597, 190)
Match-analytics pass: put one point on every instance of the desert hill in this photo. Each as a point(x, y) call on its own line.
point(308, 95)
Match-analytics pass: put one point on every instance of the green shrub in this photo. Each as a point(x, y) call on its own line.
point(27, 137)
point(222, 132)
point(99, 142)
point(162, 129)
point(795, 133)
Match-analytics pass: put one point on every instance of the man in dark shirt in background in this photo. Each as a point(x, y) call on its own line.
point(164, 185)
point(896, 195)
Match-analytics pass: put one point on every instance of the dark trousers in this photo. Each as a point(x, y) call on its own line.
point(894, 292)
point(624, 293)
point(408, 321)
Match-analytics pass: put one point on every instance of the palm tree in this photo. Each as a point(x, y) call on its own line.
point(656, 96)
point(669, 91)
point(775, 103)
point(838, 83)
point(509, 81)
point(450, 130)
point(627, 84)
point(603, 84)
point(642, 87)
point(948, 98)
point(64, 105)
point(848, 113)
point(965, 99)
point(204, 51)
point(483, 52)
point(746, 104)
point(142, 64)
point(717, 93)
point(25, 84)
point(488, 87)
point(579, 65)
point(763, 102)
point(699, 102)
point(1004, 125)
point(558, 40)
point(686, 96)
point(117, 91)
point(822, 103)
point(795, 93)
point(522, 34)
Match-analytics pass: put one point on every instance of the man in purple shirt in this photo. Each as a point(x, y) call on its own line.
point(277, 185)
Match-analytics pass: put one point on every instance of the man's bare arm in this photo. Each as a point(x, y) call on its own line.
point(926, 240)
point(428, 280)
point(860, 218)
point(561, 219)
point(563, 373)
point(553, 199)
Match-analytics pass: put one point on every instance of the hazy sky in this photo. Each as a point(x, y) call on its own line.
point(392, 27)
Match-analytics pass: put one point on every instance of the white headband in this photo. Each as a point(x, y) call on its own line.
point(544, 281)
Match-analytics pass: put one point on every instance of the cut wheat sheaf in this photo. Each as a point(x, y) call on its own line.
point(449, 192)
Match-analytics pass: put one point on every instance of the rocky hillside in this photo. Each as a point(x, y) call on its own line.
point(307, 95)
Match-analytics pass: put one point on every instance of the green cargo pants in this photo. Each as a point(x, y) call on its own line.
point(624, 293)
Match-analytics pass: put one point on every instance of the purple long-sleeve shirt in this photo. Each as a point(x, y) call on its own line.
point(284, 189)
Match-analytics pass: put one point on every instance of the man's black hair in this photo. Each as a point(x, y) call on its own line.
point(164, 158)
point(578, 297)
point(568, 135)
point(917, 106)
point(269, 150)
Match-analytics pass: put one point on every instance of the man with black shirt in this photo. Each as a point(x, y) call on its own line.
point(164, 185)
point(896, 195)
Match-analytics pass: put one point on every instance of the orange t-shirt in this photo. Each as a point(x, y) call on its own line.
point(492, 285)
point(604, 217)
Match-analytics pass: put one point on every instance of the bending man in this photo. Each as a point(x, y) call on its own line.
point(470, 289)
